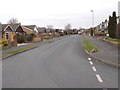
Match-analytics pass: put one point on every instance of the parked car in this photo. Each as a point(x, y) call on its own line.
point(80, 33)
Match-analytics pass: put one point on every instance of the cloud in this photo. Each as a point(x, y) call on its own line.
point(56, 12)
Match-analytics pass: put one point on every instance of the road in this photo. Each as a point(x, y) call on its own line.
point(61, 64)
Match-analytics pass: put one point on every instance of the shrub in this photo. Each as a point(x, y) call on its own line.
point(57, 35)
point(30, 37)
point(20, 38)
point(46, 37)
point(4, 42)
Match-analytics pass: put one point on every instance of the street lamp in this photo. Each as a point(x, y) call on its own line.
point(92, 20)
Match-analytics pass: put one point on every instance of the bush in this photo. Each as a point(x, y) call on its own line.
point(20, 38)
point(46, 37)
point(25, 38)
point(30, 37)
point(91, 32)
point(57, 35)
point(4, 43)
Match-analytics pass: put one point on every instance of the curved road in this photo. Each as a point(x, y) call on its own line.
point(61, 64)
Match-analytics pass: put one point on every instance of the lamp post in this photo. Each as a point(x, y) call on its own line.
point(92, 20)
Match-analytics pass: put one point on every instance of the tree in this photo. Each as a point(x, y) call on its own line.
point(50, 28)
point(30, 37)
point(13, 21)
point(112, 25)
point(91, 31)
point(68, 27)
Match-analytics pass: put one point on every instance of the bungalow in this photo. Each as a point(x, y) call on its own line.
point(27, 30)
point(41, 29)
point(8, 34)
point(11, 30)
point(32, 27)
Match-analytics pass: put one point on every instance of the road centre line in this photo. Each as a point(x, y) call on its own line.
point(94, 69)
point(91, 62)
point(89, 59)
point(99, 78)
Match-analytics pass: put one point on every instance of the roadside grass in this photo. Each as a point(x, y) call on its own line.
point(47, 37)
point(89, 46)
point(19, 50)
point(48, 42)
point(112, 39)
point(83, 37)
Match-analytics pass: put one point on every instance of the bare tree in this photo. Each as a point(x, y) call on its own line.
point(68, 27)
point(50, 28)
point(13, 21)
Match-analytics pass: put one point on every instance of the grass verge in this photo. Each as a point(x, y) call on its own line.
point(83, 37)
point(89, 46)
point(48, 42)
point(19, 50)
point(112, 39)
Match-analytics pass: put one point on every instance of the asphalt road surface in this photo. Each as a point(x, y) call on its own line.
point(61, 64)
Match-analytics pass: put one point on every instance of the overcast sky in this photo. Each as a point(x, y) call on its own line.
point(57, 12)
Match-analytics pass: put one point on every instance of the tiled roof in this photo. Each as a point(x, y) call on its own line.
point(41, 29)
point(4, 26)
point(14, 26)
point(30, 26)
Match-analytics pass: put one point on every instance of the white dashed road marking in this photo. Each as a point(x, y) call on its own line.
point(91, 62)
point(89, 59)
point(94, 69)
point(99, 78)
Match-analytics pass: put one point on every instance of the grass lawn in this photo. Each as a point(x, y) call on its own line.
point(112, 39)
point(83, 37)
point(19, 50)
point(89, 46)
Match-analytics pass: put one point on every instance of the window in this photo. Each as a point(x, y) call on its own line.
point(7, 35)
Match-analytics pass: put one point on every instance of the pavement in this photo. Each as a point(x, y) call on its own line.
point(107, 53)
point(60, 64)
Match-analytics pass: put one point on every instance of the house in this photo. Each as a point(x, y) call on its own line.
point(32, 27)
point(102, 28)
point(16, 28)
point(41, 29)
point(11, 30)
point(8, 34)
point(27, 30)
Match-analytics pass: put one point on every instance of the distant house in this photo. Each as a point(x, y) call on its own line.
point(102, 28)
point(41, 29)
point(27, 30)
point(32, 27)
